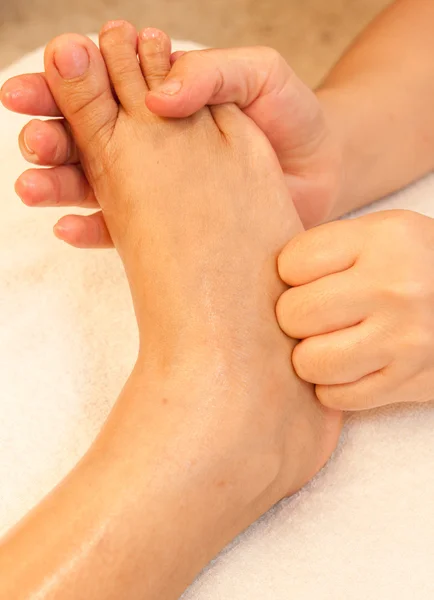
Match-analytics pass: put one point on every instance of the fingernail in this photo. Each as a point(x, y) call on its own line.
point(27, 143)
point(34, 192)
point(170, 87)
point(59, 229)
point(7, 95)
point(71, 61)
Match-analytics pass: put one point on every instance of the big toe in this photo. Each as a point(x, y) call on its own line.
point(79, 82)
point(154, 52)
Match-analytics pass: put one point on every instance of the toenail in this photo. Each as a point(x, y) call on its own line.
point(112, 25)
point(150, 34)
point(155, 36)
point(71, 60)
point(169, 87)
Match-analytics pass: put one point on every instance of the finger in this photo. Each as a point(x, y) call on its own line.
point(59, 186)
point(323, 306)
point(236, 75)
point(29, 95)
point(84, 231)
point(263, 85)
point(372, 391)
point(176, 55)
point(341, 357)
point(324, 250)
point(396, 383)
point(48, 143)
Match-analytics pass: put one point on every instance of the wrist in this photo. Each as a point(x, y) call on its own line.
point(334, 114)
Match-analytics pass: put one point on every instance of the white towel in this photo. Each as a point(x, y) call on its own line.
point(362, 530)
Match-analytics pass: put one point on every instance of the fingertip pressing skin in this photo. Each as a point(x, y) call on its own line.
point(188, 87)
point(260, 82)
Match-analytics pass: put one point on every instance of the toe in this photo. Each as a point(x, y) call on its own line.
point(84, 231)
point(78, 79)
point(59, 186)
point(154, 53)
point(118, 43)
point(48, 143)
point(29, 95)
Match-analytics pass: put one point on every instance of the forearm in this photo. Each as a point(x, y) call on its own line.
point(379, 101)
point(139, 517)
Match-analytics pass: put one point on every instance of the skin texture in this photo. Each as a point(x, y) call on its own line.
point(258, 80)
point(377, 91)
point(362, 304)
point(378, 103)
point(213, 427)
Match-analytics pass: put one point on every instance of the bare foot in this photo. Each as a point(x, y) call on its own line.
point(257, 79)
point(198, 209)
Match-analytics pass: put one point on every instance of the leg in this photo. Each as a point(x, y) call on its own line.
point(212, 270)
point(204, 299)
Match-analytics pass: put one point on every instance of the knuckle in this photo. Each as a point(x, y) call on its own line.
point(402, 223)
point(271, 53)
point(81, 103)
point(410, 292)
point(416, 348)
point(196, 58)
point(272, 56)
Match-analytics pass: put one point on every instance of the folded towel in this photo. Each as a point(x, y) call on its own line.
point(363, 529)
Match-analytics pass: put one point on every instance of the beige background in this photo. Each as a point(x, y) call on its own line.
point(309, 33)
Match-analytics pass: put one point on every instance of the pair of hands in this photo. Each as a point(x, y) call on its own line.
point(361, 292)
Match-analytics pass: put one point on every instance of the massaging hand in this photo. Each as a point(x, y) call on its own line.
point(258, 80)
point(362, 303)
